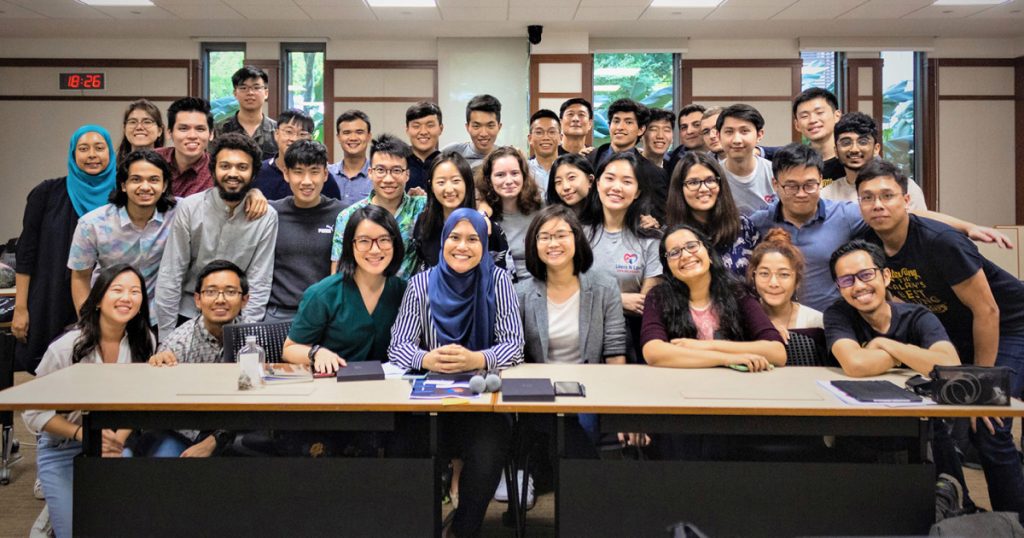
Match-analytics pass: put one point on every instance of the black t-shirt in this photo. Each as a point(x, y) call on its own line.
point(911, 324)
point(418, 171)
point(833, 170)
point(934, 258)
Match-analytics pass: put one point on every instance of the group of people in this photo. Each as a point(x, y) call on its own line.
point(476, 258)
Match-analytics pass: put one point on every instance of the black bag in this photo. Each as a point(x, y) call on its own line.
point(971, 385)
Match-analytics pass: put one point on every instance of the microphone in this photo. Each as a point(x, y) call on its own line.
point(478, 383)
point(493, 382)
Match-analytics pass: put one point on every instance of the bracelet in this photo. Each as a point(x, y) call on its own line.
point(74, 436)
point(312, 354)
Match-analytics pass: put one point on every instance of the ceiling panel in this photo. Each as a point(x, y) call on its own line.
point(137, 12)
point(407, 13)
point(624, 13)
point(11, 11)
point(761, 3)
point(1014, 9)
point(489, 4)
point(62, 9)
point(532, 14)
point(336, 10)
point(817, 9)
point(945, 12)
point(885, 9)
point(614, 3)
point(675, 13)
point(199, 9)
point(474, 13)
point(270, 10)
point(730, 12)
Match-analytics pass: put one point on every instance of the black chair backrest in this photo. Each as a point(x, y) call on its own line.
point(270, 336)
point(803, 350)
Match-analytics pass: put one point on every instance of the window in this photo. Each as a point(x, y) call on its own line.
point(898, 99)
point(220, 61)
point(819, 70)
point(645, 77)
point(304, 81)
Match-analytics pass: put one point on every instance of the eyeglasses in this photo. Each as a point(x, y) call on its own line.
point(292, 132)
point(792, 189)
point(866, 275)
point(690, 246)
point(885, 197)
point(560, 237)
point(380, 171)
point(250, 89)
point(711, 183)
point(863, 142)
point(135, 122)
point(766, 275)
point(364, 244)
point(229, 294)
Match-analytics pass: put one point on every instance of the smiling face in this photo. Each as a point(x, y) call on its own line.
point(251, 94)
point(306, 182)
point(556, 244)
point(775, 279)
point(687, 266)
point(883, 204)
point(354, 137)
point(141, 130)
point(388, 187)
point(689, 130)
point(483, 128)
point(507, 177)
point(617, 187)
point(122, 300)
point(625, 130)
point(375, 260)
point(190, 134)
point(463, 248)
point(739, 137)
point(576, 121)
point(854, 150)
point(544, 137)
point(868, 296)
point(144, 185)
point(233, 174)
point(219, 309)
point(424, 134)
point(92, 154)
point(792, 186)
point(702, 199)
point(448, 186)
point(572, 184)
point(816, 119)
point(658, 138)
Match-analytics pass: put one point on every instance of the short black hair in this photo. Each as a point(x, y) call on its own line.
point(882, 168)
point(189, 104)
point(382, 217)
point(576, 101)
point(120, 198)
point(240, 142)
point(690, 109)
point(390, 145)
point(743, 112)
point(873, 250)
point(582, 260)
point(660, 114)
point(247, 72)
point(858, 123)
point(794, 155)
point(484, 103)
point(811, 94)
point(307, 153)
point(423, 109)
point(545, 113)
point(217, 266)
point(294, 115)
point(643, 115)
point(353, 115)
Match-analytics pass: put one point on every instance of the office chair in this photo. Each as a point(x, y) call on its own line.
point(9, 449)
point(270, 336)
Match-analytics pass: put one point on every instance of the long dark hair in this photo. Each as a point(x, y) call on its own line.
point(428, 225)
point(149, 108)
point(139, 338)
point(593, 211)
point(673, 295)
point(723, 225)
point(528, 200)
point(576, 161)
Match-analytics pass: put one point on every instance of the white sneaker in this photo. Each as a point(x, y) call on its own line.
point(501, 494)
point(37, 490)
point(41, 528)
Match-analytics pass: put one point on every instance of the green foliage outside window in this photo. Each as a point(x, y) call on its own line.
point(306, 87)
point(643, 77)
point(898, 110)
point(221, 65)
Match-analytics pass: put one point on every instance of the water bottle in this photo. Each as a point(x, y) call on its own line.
point(251, 360)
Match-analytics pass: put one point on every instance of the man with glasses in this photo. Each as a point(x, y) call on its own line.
point(857, 144)
point(211, 226)
point(292, 126)
point(545, 134)
point(251, 91)
point(389, 172)
point(980, 305)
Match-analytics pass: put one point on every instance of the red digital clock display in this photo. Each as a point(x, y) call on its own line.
point(82, 81)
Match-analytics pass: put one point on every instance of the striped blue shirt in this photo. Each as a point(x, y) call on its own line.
point(413, 333)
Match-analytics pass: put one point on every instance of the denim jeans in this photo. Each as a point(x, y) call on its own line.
point(55, 468)
point(998, 453)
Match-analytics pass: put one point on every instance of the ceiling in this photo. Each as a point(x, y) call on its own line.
point(347, 19)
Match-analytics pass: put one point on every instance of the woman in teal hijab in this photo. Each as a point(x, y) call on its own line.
point(43, 305)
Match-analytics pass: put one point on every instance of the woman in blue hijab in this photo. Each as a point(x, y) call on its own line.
point(43, 305)
point(463, 316)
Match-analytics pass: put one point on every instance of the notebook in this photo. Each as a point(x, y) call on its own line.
point(361, 371)
point(876, 391)
point(527, 390)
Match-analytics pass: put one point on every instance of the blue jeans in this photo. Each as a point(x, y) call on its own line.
point(55, 468)
point(998, 453)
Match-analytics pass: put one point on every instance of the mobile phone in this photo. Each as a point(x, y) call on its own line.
point(570, 388)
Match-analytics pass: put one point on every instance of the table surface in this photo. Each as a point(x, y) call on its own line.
point(210, 387)
point(6, 292)
point(793, 391)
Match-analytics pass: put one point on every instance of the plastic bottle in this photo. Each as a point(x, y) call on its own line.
point(251, 359)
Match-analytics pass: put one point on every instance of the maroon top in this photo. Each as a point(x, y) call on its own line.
point(196, 178)
point(753, 320)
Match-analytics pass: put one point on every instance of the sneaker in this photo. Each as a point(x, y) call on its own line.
point(41, 528)
point(501, 494)
point(37, 490)
point(949, 497)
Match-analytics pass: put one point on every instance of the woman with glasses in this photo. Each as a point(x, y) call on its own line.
point(143, 128)
point(514, 197)
point(699, 196)
point(776, 270)
point(701, 316)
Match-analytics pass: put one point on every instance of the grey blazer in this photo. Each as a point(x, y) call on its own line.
point(602, 325)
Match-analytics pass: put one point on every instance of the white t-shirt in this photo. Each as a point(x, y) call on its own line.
point(808, 318)
point(564, 331)
point(628, 258)
point(841, 190)
point(754, 191)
